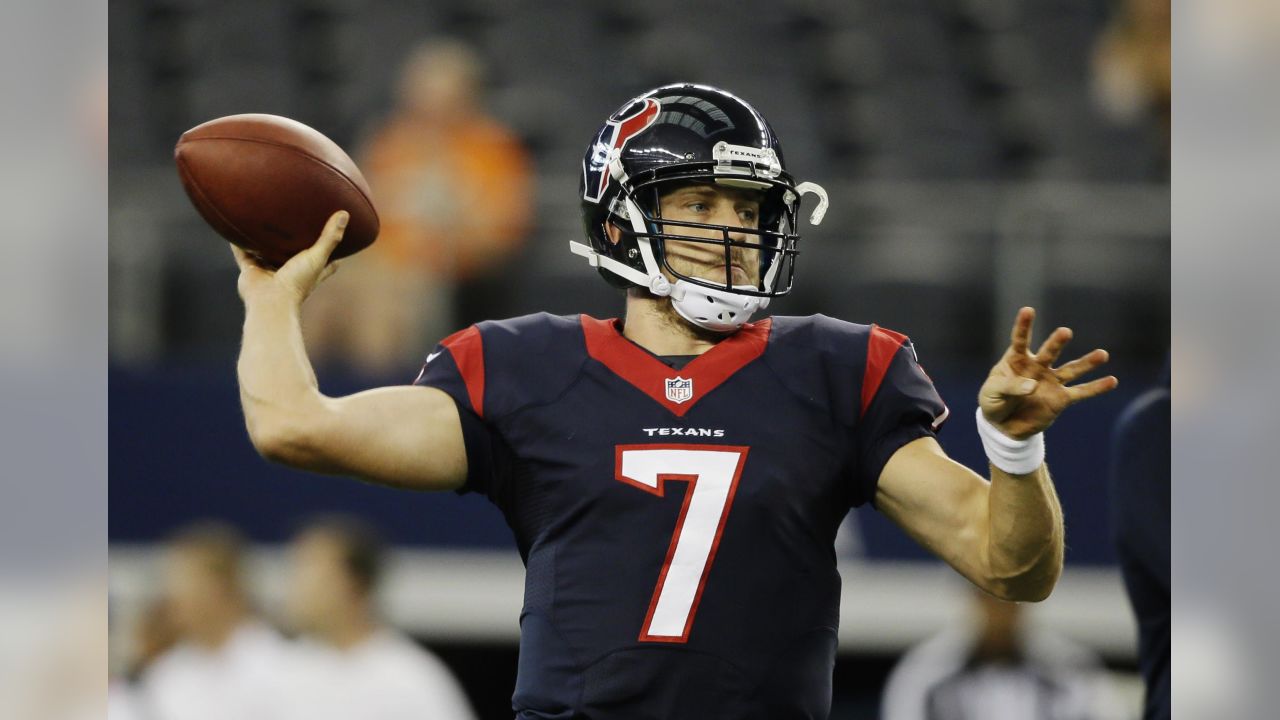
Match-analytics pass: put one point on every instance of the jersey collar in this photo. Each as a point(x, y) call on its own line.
point(676, 390)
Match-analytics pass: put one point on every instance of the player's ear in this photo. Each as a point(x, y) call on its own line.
point(613, 232)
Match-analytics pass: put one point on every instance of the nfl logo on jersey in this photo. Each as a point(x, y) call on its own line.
point(679, 390)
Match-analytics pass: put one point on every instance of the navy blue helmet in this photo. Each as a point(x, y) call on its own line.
point(688, 133)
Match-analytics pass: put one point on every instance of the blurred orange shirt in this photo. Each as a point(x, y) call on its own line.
point(454, 199)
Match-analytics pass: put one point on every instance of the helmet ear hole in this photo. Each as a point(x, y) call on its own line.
point(612, 232)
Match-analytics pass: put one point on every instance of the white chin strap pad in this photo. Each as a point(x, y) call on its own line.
point(715, 310)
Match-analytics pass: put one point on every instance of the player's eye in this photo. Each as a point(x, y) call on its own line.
point(748, 215)
point(697, 207)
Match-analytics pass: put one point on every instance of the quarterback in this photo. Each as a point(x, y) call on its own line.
point(674, 478)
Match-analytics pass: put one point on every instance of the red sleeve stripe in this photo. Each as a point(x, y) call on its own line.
point(881, 347)
point(468, 354)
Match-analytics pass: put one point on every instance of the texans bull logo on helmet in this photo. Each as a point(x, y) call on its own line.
point(613, 137)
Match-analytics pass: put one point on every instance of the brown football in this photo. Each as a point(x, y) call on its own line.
point(269, 184)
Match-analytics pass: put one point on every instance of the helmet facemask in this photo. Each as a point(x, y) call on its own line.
point(770, 248)
point(712, 303)
point(719, 305)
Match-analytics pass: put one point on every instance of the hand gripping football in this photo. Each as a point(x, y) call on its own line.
point(268, 184)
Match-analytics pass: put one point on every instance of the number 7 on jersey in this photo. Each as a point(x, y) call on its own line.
point(712, 472)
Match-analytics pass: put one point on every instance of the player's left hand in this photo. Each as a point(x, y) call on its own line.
point(1024, 393)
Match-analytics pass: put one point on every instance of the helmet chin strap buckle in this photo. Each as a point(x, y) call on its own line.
point(715, 310)
point(660, 286)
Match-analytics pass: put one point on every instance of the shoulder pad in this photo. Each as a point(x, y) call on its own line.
point(530, 360)
point(822, 334)
point(821, 359)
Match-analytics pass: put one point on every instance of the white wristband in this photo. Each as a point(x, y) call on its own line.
point(1016, 457)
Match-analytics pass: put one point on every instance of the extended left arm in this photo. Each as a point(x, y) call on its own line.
point(1006, 535)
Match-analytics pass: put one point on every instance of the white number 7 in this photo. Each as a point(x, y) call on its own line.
point(712, 472)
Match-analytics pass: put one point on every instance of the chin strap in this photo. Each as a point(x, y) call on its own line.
point(708, 308)
point(715, 310)
point(657, 284)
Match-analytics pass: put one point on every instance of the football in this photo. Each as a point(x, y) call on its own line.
point(269, 184)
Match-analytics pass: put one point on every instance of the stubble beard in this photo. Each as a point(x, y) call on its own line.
point(676, 322)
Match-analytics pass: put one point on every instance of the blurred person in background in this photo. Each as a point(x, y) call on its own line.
point(1140, 524)
point(1133, 82)
point(618, 449)
point(347, 663)
point(1133, 67)
point(153, 636)
point(121, 702)
point(999, 667)
point(224, 658)
point(453, 190)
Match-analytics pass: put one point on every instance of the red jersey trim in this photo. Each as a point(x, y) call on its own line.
point(467, 350)
point(606, 344)
point(881, 347)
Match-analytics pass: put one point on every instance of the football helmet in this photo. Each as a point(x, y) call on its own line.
point(686, 133)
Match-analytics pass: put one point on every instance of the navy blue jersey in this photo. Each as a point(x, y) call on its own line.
point(677, 526)
point(1140, 525)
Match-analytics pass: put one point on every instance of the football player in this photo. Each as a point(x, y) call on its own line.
point(675, 478)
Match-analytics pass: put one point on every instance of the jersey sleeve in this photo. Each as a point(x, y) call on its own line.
point(457, 367)
point(899, 404)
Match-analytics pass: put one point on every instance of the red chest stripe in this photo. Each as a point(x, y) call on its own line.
point(648, 374)
point(881, 348)
point(468, 354)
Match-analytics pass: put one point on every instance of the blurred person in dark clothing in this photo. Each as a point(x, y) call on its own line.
point(1001, 667)
point(222, 663)
point(348, 663)
point(453, 191)
point(1140, 525)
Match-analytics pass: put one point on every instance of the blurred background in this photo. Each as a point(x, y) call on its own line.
point(980, 155)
